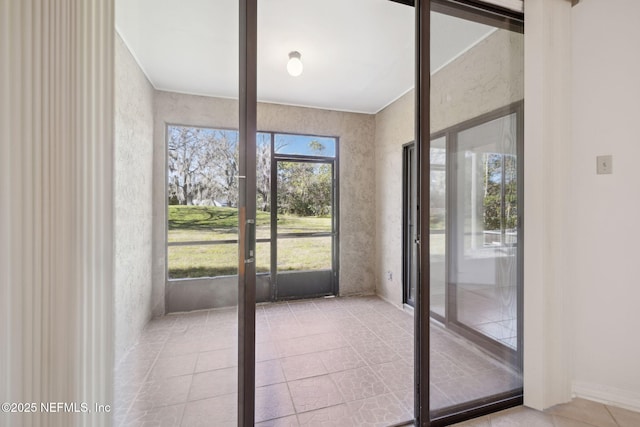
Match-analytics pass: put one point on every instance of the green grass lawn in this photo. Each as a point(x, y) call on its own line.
point(208, 223)
point(204, 223)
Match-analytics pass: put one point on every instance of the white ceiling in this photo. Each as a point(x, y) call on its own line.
point(358, 55)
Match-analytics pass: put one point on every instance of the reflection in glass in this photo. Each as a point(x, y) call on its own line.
point(486, 268)
point(437, 226)
point(475, 119)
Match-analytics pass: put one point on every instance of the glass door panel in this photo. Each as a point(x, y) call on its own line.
point(335, 361)
point(195, 202)
point(485, 265)
point(475, 207)
point(305, 229)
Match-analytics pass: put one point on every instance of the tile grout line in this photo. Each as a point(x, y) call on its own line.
point(328, 374)
point(613, 417)
point(144, 380)
point(393, 320)
point(286, 382)
point(367, 363)
point(193, 373)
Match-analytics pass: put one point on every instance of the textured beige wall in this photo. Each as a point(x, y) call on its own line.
point(483, 79)
point(133, 201)
point(356, 133)
point(394, 128)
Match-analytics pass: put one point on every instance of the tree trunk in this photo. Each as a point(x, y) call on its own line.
point(185, 192)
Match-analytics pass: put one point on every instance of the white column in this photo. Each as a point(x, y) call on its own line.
point(547, 135)
point(56, 175)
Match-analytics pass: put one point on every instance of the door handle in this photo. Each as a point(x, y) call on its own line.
point(250, 241)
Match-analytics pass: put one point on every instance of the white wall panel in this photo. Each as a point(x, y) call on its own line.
point(604, 208)
point(546, 150)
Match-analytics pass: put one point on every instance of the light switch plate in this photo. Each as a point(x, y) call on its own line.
point(605, 165)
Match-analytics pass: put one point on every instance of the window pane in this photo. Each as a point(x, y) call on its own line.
point(263, 172)
point(263, 257)
point(203, 261)
point(305, 195)
point(263, 201)
point(202, 166)
point(438, 153)
point(202, 223)
point(306, 253)
point(202, 193)
point(305, 145)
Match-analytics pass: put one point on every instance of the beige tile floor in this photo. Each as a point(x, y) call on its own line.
point(339, 361)
point(578, 413)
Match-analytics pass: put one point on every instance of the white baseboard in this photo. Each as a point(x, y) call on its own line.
point(608, 395)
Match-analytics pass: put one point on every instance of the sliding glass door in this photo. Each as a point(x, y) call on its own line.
point(486, 261)
point(324, 69)
point(463, 222)
point(475, 212)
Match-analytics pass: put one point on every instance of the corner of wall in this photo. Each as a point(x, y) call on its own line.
point(394, 127)
point(607, 395)
point(159, 235)
point(134, 97)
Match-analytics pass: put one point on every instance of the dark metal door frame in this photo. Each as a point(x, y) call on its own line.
point(422, 129)
point(247, 212)
point(477, 11)
point(333, 162)
point(409, 238)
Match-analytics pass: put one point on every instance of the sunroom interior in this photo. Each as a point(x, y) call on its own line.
point(335, 231)
point(176, 90)
point(72, 277)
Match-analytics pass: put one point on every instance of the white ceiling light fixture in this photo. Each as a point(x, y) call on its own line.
point(294, 66)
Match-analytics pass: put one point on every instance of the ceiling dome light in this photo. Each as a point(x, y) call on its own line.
point(294, 66)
